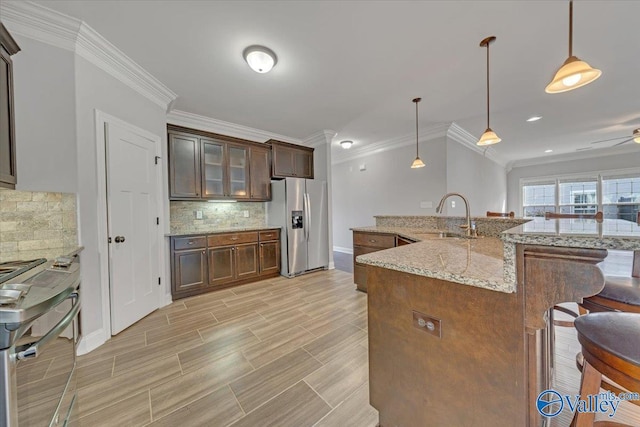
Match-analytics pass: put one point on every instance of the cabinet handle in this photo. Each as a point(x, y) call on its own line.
point(372, 240)
point(233, 238)
point(233, 249)
point(261, 245)
point(203, 252)
point(190, 243)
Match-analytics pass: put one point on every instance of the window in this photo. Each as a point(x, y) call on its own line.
point(621, 197)
point(539, 198)
point(578, 196)
point(616, 194)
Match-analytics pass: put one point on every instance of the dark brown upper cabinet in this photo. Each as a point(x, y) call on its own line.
point(184, 166)
point(290, 160)
point(8, 47)
point(260, 167)
point(203, 165)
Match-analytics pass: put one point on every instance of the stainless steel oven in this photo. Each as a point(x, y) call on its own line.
point(38, 337)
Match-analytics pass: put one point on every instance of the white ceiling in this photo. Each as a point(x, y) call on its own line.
point(354, 66)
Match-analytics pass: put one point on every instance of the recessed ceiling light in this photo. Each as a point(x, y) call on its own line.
point(261, 59)
point(534, 118)
point(548, 151)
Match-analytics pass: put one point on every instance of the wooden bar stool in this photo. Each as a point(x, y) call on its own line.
point(610, 347)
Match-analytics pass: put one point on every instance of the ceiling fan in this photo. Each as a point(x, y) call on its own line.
point(634, 137)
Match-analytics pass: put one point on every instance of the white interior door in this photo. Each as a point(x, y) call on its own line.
point(132, 225)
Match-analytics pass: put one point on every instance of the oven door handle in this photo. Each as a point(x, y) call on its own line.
point(33, 350)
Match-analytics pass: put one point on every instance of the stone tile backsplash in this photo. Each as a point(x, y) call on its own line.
point(214, 215)
point(31, 220)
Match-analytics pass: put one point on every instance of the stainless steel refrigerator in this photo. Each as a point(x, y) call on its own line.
point(299, 206)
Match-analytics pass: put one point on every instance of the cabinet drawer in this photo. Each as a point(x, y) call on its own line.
point(269, 235)
point(232, 238)
point(374, 240)
point(361, 250)
point(180, 243)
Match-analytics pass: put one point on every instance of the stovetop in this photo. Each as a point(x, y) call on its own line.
point(36, 291)
point(11, 269)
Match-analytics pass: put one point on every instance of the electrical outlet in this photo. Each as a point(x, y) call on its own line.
point(453, 203)
point(245, 214)
point(198, 214)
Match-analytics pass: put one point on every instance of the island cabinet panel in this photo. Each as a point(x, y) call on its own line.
point(205, 263)
point(364, 243)
point(471, 374)
point(8, 174)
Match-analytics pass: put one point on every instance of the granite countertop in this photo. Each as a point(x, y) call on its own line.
point(221, 230)
point(475, 262)
point(50, 254)
point(576, 233)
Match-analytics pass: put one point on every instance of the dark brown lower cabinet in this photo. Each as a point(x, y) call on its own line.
point(270, 257)
point(205, 263)
point(246, 261)
point(364, 243)
point(221, 265)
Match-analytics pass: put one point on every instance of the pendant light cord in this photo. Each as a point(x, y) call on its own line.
point(417, 128)
point(570, 28)
point(488, 126)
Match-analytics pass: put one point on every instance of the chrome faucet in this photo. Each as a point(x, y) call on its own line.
point(468, 230)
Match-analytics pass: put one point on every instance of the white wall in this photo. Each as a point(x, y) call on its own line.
point(482, 181)
point(388, 186)
point(594, 164)
point(96, 89)
point(44, 91)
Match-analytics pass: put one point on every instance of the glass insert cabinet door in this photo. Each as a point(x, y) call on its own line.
point(213, 166)
point(238, 172)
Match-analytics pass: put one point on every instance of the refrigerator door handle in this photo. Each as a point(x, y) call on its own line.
point(307, 212)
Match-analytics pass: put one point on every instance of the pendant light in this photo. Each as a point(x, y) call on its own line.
point(489, 137)
point(417, 163)
point(574, 73)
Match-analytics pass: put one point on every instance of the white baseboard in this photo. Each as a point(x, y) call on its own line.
point(343, 250)
point(167, 300)
point(92, 341)
point(332, 266)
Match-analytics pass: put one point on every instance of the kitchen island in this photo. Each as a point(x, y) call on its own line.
point(458, 329)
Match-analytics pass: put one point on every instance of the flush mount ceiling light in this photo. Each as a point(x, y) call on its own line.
point(346, 144)
point(417, 163)
point(636, 136)
point(261, 59)
point(534, 118)
point(574, 73)
point(489, 137)
point(548, 151)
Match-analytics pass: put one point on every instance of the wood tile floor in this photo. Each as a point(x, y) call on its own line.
point(281, 352)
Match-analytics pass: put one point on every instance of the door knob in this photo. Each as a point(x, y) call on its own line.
point(119, 239)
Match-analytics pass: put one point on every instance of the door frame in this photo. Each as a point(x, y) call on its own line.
point(101, 119)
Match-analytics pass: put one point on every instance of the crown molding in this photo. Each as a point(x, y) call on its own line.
point(427, 134)
point(578, 155)
point(196, 121)
point(460, 135)
point(48, 26)
point(319, 139)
